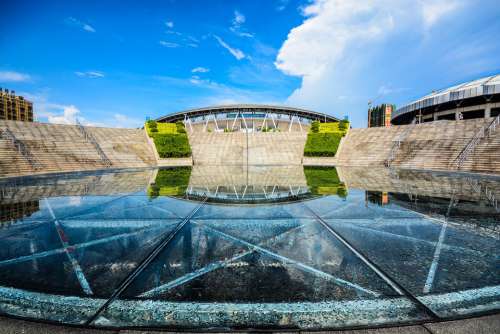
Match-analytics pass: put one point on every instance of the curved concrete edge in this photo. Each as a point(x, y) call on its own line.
point(480, 325)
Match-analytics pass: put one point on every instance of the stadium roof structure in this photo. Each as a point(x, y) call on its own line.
point(247, 108)
point(480, 90)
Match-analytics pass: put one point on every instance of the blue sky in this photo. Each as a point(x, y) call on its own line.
point(114, 63)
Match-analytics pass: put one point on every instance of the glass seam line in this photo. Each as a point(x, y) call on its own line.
point(144, 263)
point(96, 206)
point(391, 282)
point(84, 284)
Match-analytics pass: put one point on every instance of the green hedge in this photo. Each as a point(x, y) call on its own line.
point(172, 145)
point(170, 182)
point(322, 144)
point(170, 139)
point(323, 139)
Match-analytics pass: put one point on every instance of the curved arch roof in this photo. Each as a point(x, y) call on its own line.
point(480, 87)
point(179, 116)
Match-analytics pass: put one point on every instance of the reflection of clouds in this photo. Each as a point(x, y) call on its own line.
point(75, 201)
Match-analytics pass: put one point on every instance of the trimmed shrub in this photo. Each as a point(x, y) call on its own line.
point(323, 139)
point(322, 144)
point(315, 126)
point(172, 145)
point(151, 127)
point(170, 139)
point(343, 125)
point(180, 127)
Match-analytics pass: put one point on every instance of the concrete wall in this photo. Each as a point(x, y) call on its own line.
point(253, 148)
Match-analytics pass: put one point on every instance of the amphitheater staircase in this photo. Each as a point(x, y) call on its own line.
point(21, 148)
point(396, 145)
point(60, 148)
point(90, 138)
point(484, 132)
point(434, 145)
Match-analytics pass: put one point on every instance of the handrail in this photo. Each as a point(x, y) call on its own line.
point(90, 138)
point(478, 136)
point(397, 144)
point(21, 148)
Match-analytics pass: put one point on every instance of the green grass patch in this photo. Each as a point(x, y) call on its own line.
point(170, 182)
point(324, 181)
point(170, 139)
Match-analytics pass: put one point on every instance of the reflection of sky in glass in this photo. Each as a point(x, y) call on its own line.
point(100, 249)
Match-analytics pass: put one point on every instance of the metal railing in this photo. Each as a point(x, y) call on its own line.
point(90, 138)
point(396, 145)
point(21, 148)
point(478, 137)
point(483, 189)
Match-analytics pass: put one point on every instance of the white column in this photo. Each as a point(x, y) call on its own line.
point(487, 110)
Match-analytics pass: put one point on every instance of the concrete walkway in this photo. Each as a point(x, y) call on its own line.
point(482, 325)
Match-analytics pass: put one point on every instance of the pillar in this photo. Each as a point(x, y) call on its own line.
point(487, 110)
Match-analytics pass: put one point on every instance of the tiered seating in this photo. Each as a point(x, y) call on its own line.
point(124, 147)
point(367, 147)
point(427, 146)
point(63, 148)
point(437, 145)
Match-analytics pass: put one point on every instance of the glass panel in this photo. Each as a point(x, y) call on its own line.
point(257, 257)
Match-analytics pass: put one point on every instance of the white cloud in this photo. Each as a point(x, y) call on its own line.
point(237, 25)
point(69, 115)
point(386, 90)
point(238, 54)
point(433, 10)
point(200, 70)
point(338, 37)
point(169, 24)
point(77, 23)
point(168, 44)
point(124, 121)
point(11, 76)
point(90, 74)
point(282, 4)
point(329, 29)
point(88, 28)
point(238, 19)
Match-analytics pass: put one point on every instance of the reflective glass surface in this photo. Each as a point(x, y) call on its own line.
point(290, 248)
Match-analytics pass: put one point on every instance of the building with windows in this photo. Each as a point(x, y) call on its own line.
point(380, 116)
point(15, 108)
point(475, 99)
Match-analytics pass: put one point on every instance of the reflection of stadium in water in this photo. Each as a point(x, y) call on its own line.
point(297, 264)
